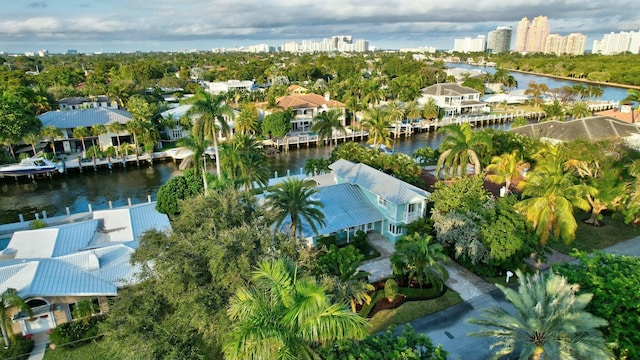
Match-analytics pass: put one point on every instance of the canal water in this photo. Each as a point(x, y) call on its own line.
point(77, 191)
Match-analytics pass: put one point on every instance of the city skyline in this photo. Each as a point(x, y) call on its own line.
point(120, 25)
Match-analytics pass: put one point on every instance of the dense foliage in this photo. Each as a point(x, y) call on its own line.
point(615, 283)
point(178, 188)
point(277, 124)
point(390, 345)
point(72, 332)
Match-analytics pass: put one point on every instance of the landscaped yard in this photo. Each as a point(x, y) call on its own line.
point(590, 238)
point(411, 310)
point(90, 351)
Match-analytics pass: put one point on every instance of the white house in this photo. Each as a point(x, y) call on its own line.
point(56, 267)
point(74, 103)
point(453, 98)
point(178, 132)
point(222, 87)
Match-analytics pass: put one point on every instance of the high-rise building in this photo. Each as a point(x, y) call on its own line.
point(499, 40)
point(616, 43)
point(537, 34)
point(574, 44)
point(468, 44)
point(554, 44)
point(521, 35)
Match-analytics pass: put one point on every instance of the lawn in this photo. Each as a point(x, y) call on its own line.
point(90, 351)
point(411, 310)
point(590, 238)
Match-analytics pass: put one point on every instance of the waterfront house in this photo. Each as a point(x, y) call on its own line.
point(363, 198)
point(75, 103)
point(68, 120)
point(55, 268)
point(174, 133)
point(223, 87)
point(454, 99)
point(307, 106)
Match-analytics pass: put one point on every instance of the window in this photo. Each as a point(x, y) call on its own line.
point(411, 208)
point(395, 230)
point(382, 202)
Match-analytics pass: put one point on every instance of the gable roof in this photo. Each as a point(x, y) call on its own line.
point(301, 101)
point(594, 128)
point(71, 119)
point(379, 183)
point(448, 89)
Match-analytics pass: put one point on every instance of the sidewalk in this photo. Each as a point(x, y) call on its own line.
point(41, 340)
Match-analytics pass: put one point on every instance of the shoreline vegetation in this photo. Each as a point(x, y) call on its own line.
point(581, 80)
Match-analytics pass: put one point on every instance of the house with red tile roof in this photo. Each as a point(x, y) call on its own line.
point(307, 106)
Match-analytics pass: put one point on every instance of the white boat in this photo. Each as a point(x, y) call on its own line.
point(31, 166)
point(383, 149)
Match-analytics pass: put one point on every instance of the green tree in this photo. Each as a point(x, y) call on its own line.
point(377, 123)
point(32, 139)
point(316, 166)
point(51, 132)
point(579, 109)
point(461, 147)
point(117, 128)
point(419, 259)
point(81, 133)
point(326, 123)
point(247, 120)
point(283, 315)
point(277, 124)
point(615, 283)
point(550, 321)
point(209, 111)
point(633, 96)
point(505, 168)
point(178, 188)
point(245, 161)
point(198, 146)
point(292, 199)
point(536, 91)
point(555, 110)
point(430, 110)
point(11, 298)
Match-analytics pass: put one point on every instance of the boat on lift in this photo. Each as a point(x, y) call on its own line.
point(31, 166)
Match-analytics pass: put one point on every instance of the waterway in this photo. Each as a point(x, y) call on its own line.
point(77, 191)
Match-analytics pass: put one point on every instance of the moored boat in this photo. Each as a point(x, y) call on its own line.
point(30, 166)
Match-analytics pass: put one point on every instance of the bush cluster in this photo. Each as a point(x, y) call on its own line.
point(71, 333)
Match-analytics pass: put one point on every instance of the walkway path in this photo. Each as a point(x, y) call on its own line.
point(40, 340)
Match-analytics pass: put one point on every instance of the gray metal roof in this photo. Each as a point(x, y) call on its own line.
point(379, 183)
point(71, 119)
point(87, 258)
point(345, 206)
point(594, 127)
point(448, 89)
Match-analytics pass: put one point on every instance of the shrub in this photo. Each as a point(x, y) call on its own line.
point(391, 289)
point(20, 349)
point(70, 333)
point(37, 224)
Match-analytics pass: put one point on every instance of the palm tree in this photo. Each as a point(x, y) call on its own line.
point(51, 132)
point(245, 161)
point(536, 91)
point(412, 110)
point(96, 131)
point(549, 202)
point(247, 120)
point(430, 110)
point(117, 128)
point(209, 112)
point(283, 315)
point(419, 258)
point(550, 321)
point(32, 139)
point(377, 123)
point(504, 168)
point(136, 127)
point(293, 199)
point(459, 148)
point(579, 109)
point(81, 133)
point(325, 123)
point(8, 299)
point(555, 110)
point(633, 95)
point(198, 147)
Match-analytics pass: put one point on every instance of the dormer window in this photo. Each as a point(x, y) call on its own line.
point(382, 202)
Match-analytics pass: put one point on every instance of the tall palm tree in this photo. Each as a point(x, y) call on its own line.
point(555, 110)
point(96, 131)
point(633, 95)
point(51, 132)
point(550, 321)
point(377, 123)
point(8, 299)
point(536, 91)
point(430, 110)
point(283, 315)
point(419, 258)
point(326, 123)
point(209, 111)
point(549, 202)
point(412, 110)
point(117, 128)
point(81, 133)
point(293, 199)
point(136, 128)
point(32, 139)
point(461, 147)
point(247, 120)
point(504, 168)
point(244, 160)
point(198, 147)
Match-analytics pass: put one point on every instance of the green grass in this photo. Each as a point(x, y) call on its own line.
point(89, 351)
point(590, 238)
point(411, 310)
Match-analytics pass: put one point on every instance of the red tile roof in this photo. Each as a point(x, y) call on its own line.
point(301, 101)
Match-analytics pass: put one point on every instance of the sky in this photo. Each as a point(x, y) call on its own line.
point(174, 25)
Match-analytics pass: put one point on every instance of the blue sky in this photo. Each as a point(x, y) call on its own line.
point(168, 25)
